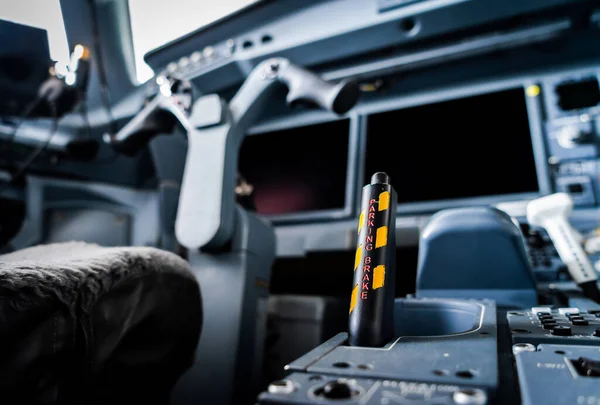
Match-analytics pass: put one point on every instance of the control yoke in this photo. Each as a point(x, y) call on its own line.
point(158, 116)
point(215, 130)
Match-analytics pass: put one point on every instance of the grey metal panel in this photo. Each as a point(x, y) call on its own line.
point(141, 205)
point(430, 334)
point(93, 226)
point(535, 113)
point(547, 376)
point(298, 240)
point(404, 61)
point(319, 37)
point(234, 286)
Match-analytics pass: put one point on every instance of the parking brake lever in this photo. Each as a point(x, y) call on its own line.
point(371, 321)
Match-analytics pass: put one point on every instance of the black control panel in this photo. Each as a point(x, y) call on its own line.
point(558, 326)
point(572, 103)
point(544, 260)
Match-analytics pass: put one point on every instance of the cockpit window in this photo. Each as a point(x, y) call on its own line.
point(48, 16)
point(157, 22)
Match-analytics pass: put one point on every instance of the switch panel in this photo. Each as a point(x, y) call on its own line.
point(559, 375)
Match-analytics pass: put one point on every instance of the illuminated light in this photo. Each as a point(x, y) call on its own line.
point(358, 256)
point(70, 78)
point(196, 57)
point(81, 52)
point(381, 236)
point(78, 51)
point(533, 90)
point(209, 51)
point(60, 70)
point(172, 67)
point(165, 90)
point(164, 86)
point(368, 87)
point(378, 277)
point(361, 220)
point(184, 61)
point(353, 297)
point(384, 201)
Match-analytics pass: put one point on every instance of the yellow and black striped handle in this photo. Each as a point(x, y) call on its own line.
point(372, 301)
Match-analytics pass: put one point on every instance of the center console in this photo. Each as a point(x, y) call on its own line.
point(456, 352)
point(479, 329)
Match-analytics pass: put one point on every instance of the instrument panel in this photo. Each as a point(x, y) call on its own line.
point(481, 144)
point(492, 142)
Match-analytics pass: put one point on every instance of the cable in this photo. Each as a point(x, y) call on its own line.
point(29, 161)
point(83, 111)
point(104, 89)
point(29, 108)
point(88, 128)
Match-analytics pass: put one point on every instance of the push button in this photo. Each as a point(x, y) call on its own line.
point(561, 330)
point(565, 311)
point(541, 310)
point(548, 321)
point(580, 322)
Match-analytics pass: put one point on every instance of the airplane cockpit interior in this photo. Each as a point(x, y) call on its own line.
point(284, 202)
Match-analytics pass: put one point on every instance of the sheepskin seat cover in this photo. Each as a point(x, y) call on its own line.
point(85, 324)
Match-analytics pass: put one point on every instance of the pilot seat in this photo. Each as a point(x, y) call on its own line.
point(81, 323)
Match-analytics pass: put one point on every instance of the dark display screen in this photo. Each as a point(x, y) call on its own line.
point(469, 147)
point(580, 94)
point(297, 170)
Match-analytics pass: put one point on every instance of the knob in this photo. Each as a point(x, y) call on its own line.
point(572, 135)
point(535, 239)
point(561, 330)
point(337, 390)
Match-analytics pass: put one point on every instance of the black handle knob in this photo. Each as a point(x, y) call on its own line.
point(308, 88)
point(135, 136)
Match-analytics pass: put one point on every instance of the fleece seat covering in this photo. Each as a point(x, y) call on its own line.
point(85, 324)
